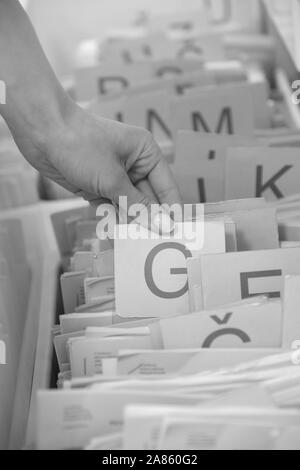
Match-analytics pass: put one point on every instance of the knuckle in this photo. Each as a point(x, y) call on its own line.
point(113, 184)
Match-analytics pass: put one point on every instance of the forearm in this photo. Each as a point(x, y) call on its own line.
point(36, 104)
point(94, 158)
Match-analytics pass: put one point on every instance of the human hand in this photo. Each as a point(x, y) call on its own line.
point(101, 159)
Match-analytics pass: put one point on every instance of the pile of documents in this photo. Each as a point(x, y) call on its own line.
point(164, 343)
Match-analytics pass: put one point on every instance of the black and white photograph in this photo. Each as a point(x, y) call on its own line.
point(149, 228)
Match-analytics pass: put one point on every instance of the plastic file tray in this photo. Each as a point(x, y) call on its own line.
point(35, 358)
point(283, 27)
point(45, 371)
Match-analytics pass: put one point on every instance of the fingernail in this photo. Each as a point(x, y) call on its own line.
point(162, 222)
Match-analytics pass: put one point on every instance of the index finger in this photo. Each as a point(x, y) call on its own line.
point(163, 184)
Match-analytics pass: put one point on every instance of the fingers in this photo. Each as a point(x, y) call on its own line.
point(124, 195)
point(145, 187)
point(139, 204)
point(150, 157)
point(163, 184)
point(120, 186)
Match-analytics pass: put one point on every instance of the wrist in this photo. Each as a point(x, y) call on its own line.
point(53, 118)
point(47, 124)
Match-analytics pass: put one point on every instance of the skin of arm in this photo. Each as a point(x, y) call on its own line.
point(92, 157)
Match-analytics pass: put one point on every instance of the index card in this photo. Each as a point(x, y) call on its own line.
point(119, 321)
point(235, 276)
point(85, 230)
point(227, 72)
point(289, 244)
point(82, 261)
point(151, 111)
point(69, 419)
point(101, 79)
point(192, 433)
point(289, 230)
point(152, 325)
point(250, 326)
point(195, 284)
point(271, 173)
point(275, 139)
point(167, 149)
point(185, 19)
point(196, 301)
point(104, 304)
point(104, 264)
point(147, 106)
point(150, 273)
point(291, 325)
point(151, 362)
point(95, 288)
point(147, 420)
point(86, 354)
point(119, 106)
point(72, 290)
point(254, 396)
point(255, 229)
point(66, 238)
point(289, 439)
point(183, 362)
point(235, 205)
point(111, 108)
point(192, 77)
point(183, 82)
point(127, 51)
point(219, 110)
point(60, 346)
point(79, 322)
point(205, 47)
point(95, 332)
point(259, 91)
point(200, 163)
point(230, 232)
point(100, 246)
point(143, 422)
point(110, 442)
point(172, 68)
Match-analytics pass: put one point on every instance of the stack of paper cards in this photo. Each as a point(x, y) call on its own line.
point(202, 349)
point(186, 338)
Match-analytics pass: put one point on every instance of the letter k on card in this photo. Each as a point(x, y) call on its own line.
point(272, 173)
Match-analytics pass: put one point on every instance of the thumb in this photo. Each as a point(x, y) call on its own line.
point(124, 195)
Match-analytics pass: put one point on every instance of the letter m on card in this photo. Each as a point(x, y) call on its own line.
point(225, 122)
